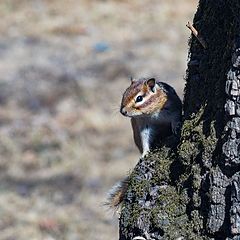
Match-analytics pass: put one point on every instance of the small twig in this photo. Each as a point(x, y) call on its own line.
point(196, 34)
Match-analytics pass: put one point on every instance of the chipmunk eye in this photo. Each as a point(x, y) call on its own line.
point(139, 98)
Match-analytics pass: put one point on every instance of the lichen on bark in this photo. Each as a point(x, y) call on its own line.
point(154, 206)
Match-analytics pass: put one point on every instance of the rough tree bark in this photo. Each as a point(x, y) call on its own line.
point(191, 189)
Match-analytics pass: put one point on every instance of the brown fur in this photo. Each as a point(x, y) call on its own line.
point(155, 102)
point(150, 105)
point(117, 193)
point(131, 92)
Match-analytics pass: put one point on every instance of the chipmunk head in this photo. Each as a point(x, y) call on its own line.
point(143, 96)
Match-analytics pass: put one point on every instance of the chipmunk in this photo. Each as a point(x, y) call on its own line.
point(156, 112)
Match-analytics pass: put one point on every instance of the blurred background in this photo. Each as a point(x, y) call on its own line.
point(63, 68)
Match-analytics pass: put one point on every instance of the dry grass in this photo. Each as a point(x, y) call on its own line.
point(63, 143)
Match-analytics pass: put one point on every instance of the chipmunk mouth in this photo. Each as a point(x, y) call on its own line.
point(124, 112)
point(130, 112)
point(127, 114)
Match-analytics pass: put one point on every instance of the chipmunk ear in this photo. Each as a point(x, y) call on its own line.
point(151, 84)
point(133, 79)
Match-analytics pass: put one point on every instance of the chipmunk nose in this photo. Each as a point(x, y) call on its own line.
point(123, 111)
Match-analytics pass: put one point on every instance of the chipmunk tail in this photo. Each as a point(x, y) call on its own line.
point(117, 193)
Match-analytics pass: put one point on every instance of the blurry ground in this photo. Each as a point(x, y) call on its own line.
point(63, 68)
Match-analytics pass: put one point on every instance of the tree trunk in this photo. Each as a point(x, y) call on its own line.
point(191, 190)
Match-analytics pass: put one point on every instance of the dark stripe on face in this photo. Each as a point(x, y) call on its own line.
point(155, 102)
point(149, 101)
point(132, 91)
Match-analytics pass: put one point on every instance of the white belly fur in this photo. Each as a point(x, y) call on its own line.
point(150, 125)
